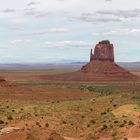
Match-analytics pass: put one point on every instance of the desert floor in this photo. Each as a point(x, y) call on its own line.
point(32, 108)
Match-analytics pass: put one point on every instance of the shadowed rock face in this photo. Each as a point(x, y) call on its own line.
point(104, 51)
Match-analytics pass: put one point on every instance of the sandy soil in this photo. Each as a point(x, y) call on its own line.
point(37, 93)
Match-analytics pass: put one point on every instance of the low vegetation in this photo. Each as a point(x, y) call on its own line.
point(101, 113)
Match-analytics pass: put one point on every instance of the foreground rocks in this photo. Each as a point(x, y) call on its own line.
point(55, 136)
point(8, 130)
point(16, 133)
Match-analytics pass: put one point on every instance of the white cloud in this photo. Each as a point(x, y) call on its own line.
point(120, 13)
point(59, 30)
point(49, 31)
point(67, 43)
point(20, 41)
point(104, 16)
point(95, 33)
point(8, 10)
point(40, 20)
point(96, 18)
point(36, 13)
point(9, 56)
point(123, 31)
point(32, 3)
point(108, 0)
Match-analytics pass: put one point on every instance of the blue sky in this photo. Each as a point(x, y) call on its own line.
point(45, 31)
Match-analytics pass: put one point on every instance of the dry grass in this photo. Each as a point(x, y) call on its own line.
point(77, 110)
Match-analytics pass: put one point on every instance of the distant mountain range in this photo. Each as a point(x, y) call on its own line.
point(64, 65)
point(130, 65)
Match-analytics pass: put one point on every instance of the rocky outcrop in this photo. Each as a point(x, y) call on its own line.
point(8, 130)
point(104, 51)
point(55, 136)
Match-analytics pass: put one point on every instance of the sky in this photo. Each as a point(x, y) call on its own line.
point(46, 31)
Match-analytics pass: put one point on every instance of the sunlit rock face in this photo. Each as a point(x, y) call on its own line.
point(103, 51)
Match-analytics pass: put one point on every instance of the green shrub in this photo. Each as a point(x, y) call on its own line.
point(93, 121)
point(90, 88)
point(104, 127)
point(9, 117)
point(47, 125)
point(131, 123)
point(1, 122)
point(115, 121)
point(88, 125)
point(64, 122)
point(121, 125)
point(82, 116)
point(103, 113)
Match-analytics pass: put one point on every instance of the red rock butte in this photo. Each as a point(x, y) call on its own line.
point(104, 51)
point(101, 68)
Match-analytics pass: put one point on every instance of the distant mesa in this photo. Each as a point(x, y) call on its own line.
point(101, 68)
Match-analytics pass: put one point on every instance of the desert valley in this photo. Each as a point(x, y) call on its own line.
point(99, 101)
point(69, 69)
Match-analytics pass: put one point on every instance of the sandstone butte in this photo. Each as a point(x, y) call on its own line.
point(101, 68)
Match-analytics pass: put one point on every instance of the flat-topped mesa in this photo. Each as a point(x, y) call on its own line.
point(103, 51)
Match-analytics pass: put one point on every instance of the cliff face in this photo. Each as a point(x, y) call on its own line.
point(104, 51)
